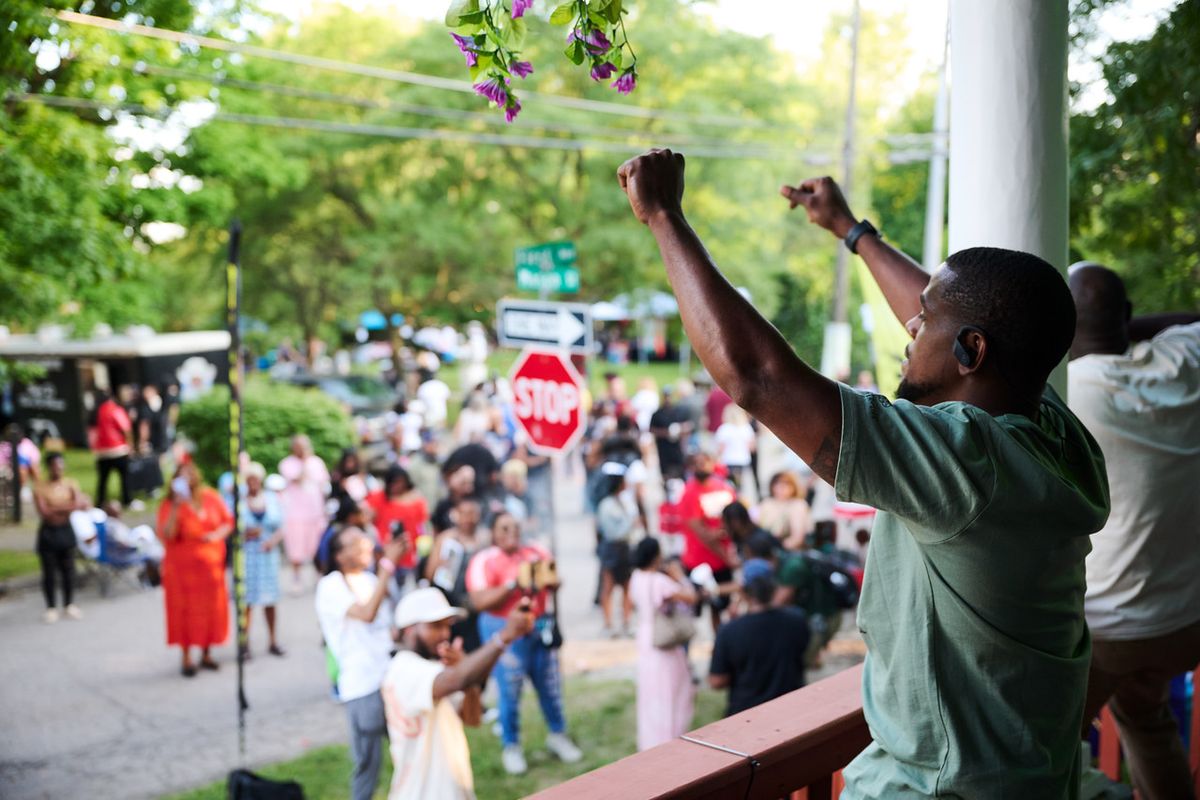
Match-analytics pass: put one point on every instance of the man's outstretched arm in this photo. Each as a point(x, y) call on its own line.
point(745, 354)
point(899, 277)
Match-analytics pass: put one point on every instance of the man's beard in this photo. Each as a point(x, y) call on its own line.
point(916, 392)
point(423, 651)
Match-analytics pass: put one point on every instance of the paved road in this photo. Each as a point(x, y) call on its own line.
point(97, 708)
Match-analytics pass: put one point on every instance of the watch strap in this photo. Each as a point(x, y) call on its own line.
point(860, 228)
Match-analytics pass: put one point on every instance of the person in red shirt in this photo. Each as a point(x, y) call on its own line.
point(498, 578)
point(112, 439)
point(714, 407)
point(705, 496)
point(399, 502)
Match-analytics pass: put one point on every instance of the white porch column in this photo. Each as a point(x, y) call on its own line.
point(1008, 126)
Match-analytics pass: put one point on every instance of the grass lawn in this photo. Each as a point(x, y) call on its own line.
point(81, 465)
point(602, 719)
point(17, 562)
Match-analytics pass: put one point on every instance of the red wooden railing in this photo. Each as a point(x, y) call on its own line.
point(803, 739)
point(799, 740)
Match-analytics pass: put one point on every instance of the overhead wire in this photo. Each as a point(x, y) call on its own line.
point(402, 76)
point(647, 137)
point(402, 132)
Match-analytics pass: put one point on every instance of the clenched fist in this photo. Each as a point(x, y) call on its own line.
point(824, 202)
point(653, 182)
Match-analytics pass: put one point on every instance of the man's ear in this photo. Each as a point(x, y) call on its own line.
point(970, 349)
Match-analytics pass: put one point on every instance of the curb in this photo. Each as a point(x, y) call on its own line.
point(19, 583)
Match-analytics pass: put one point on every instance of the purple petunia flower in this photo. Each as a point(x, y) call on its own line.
point(465, 45)
point(521, 68)
point(492, 90)
point(519, 7)
point(626, 83)
point(596, 42)
point(512, 109)
point(603, 71)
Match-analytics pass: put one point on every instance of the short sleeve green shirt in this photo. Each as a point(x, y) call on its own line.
point(972, 604)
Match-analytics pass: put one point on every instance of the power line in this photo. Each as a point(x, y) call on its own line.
point(400, 132)
point(142, 68)
point(401, 76)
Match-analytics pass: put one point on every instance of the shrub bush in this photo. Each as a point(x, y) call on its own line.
point(272, 413)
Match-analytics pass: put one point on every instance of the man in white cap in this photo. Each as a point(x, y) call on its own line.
point(424, 682)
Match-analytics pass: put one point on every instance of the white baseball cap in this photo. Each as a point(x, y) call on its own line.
point(425, 605)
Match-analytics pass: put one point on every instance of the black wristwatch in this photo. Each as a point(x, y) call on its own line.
point(856, 233)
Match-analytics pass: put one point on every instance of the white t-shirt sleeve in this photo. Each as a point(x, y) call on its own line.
point(333, 600)
point(636, 473)
point(408, 686)
point(1186, 337)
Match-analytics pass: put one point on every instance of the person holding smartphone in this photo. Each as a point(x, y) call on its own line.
point(399, 509)
point(498, 579)
point(193, 524)
point(355, 615)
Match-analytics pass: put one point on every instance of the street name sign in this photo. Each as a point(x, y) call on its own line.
point(548, 267)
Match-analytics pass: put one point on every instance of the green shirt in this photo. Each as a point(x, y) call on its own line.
point(972, 605)
point(810, 590)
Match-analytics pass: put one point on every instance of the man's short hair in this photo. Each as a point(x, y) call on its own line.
point(735, 513)
point(1101, 301)
point(1021, 303)
point(761, 590)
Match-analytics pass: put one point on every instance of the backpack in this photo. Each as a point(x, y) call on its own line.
point(840, 584)
point(245, 785)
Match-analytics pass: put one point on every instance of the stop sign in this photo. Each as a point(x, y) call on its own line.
point(547, 393)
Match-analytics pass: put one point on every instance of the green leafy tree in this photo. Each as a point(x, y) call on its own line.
point(1135, 166)
point(72, 243)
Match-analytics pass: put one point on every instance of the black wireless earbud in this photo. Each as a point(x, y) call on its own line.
point(965, 356)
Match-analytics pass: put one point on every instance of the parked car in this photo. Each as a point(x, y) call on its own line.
point(368, 400)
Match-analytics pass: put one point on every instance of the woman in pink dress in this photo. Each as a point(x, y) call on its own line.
point(304, 504)
point(665, 693)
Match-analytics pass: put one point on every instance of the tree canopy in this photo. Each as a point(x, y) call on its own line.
point(124, 157)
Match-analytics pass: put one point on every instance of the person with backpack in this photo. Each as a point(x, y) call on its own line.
point(813, 582)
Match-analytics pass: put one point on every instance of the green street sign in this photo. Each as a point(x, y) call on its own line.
point(561, 279)
point(548, 267)
point(546, 257)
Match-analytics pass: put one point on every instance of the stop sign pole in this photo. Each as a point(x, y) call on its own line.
point(548, 405)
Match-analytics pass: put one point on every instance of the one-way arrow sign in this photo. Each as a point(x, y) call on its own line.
point(568, 326)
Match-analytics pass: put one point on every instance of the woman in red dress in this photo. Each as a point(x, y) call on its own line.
point(193, 523)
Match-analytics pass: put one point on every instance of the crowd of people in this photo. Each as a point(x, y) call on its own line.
point(984, 582)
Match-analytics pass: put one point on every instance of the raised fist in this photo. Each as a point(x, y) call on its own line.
point(653, 182)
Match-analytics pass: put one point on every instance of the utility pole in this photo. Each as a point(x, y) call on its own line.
point(935, 195)
point(835, 357)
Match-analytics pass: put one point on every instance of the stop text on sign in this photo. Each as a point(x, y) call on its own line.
point(551, 401)
point(548, 400)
